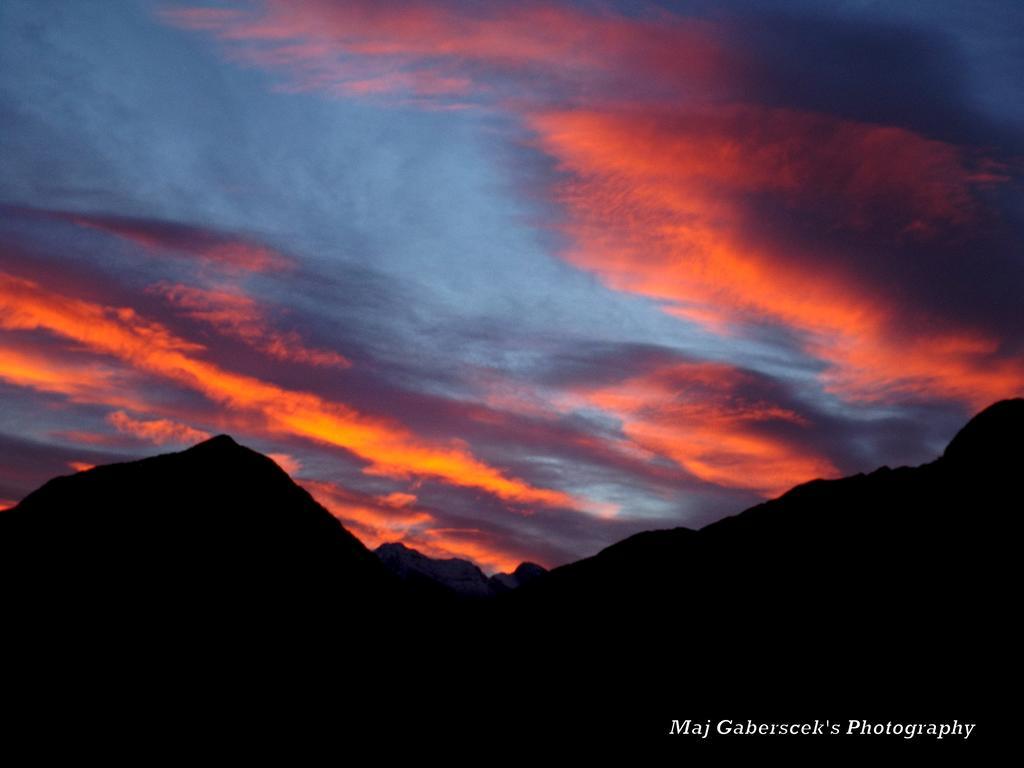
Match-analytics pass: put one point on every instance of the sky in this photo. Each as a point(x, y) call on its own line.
point(509, 280)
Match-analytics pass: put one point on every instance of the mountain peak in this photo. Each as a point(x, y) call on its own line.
point(217, 519)
point(989, 438)
point(223, 453)
point(395, 546)
point(527, 570)
point(217, 443)
point(459, 576)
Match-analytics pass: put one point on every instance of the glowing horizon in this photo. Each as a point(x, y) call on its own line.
point(509, 281)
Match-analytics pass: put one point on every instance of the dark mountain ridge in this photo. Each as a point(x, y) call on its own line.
point(891, 588)
point(901, 522)
point(216, 527)
point(880, 568)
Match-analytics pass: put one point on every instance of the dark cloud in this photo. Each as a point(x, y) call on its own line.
point(871, 70)
point(648, 266)
point(227, 250)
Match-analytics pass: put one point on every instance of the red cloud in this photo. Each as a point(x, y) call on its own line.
point(704, 157)
point(389, 448)
point(695, 415)
point(79, 380)
point(659, 200)
point(223, 251)
point(395, 517)
point(443, 48)
point(239, 316)
point(158, 431)
point(656, 208)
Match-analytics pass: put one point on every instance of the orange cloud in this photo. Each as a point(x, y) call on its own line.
point(437, 48)
point(237, 315)
point(390, 449)
point(715, 152)
point(286, 462)
point(80, 381)
point(397, 499)
point(214, 248)
point(374, 520)
point(80, 466)
point(656, 209)
point(694, 415)
point(469, 544)
point(395, 517)
point(659, 199)
point(158, 431)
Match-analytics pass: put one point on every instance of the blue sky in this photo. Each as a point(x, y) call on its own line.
point(508, 281)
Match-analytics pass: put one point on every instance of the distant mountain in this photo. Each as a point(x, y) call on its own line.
point(453, 576)
point(524, 574)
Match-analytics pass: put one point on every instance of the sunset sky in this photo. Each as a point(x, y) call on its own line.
point(509, 280)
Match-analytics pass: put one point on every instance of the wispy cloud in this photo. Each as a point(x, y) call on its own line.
point(388, 448)
point(509, 280)
point(448, 50)
point(681, 186)
point(235, 314)
point(660, 205)
point(709, 419)
point(158, 431)
point(213, 248)
point(397, 517)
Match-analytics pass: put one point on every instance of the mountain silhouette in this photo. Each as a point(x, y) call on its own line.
point(841, 594)
point(524, 574)
point(451, 577)
point(838, 539)
point(215, 529)
point(892, 588)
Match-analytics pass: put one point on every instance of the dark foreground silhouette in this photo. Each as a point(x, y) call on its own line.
point(208, 577)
